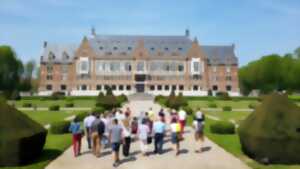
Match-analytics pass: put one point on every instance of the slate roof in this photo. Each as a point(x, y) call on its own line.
point(117, 45)
point(58, 53)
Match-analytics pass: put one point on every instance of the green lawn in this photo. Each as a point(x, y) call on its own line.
point(231, 143)
point(46, 117)
point(55, 145)
point(229, 115)
point(243, 104)
point(47, 103)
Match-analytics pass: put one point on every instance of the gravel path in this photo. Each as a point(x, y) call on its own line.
point(213, 156)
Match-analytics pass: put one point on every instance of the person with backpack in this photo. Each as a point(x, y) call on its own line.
point(134, 126)
point(77, 134)
point(97, 129)
point(198, 125)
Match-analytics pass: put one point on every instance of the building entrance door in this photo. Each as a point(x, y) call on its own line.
point(140, 88)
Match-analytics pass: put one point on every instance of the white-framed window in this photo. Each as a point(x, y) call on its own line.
point(83, 65)
point(214, 68)
point(196, 66)
point(228, 69)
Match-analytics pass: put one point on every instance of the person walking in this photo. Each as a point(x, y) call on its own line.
point(97, 129)
point(76, 135)
point(143, 134)
point(182, 120)
point(127, 135)
point(159, 128)
point(198, 125)
point(115, 137)
point(87, 123)
point(175, 135)
point(134, 127)
point(161, 115)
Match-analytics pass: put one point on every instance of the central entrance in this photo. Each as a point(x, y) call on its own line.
point(140, 82)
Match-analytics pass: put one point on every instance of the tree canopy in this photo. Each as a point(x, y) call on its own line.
point(271, 73)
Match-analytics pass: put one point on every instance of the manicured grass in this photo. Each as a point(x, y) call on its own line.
point(55, 145)
point(228, 116)
point(231, 143)
point(46, 117)
point(243, 104)
point(47, 103)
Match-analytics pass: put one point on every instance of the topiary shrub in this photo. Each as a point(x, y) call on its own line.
point(57, 95)
point(27, 105)
point(223, 95)
point(122, 99)
point(252, 106)
point(227, 108)
point(212, 105)
point(21, 139)
point(69, 104)
point(160, 99)
point(60, 127)
point(271, 133)
point(54, 107)
point(222, 127)
point(81, 116)
point(209, 93)
point(99, 110)
point(188, 110)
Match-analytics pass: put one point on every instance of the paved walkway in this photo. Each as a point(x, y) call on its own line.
point(213, 156)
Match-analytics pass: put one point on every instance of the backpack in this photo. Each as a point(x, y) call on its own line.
point(101, 128)
point(134, 127)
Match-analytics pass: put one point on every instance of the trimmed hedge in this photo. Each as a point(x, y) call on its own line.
point(60, 127)
point(69, 104)
point(27, 105)
point(98, 110)
point(223, 96)
point(188, 110)
point(222, 127)
point(21, 139)
point(54, 107)
point(57, 95)
point(227, 108)
point(271, 134)
point(81, 116)
point(251, 106)
point(212, 105)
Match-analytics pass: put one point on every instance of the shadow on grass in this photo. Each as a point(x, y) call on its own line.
point(48, 155)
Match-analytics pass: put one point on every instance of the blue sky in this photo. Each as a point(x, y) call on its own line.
point(257, 27)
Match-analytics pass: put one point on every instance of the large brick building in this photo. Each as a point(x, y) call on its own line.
point(130, 64)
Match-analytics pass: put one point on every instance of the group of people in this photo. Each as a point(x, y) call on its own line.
point(117, 127)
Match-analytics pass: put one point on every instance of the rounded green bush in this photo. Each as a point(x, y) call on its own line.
point(251, 106)
point(69, 104)
point(222, 127)
point(212, 105)
point(227, 108)
point(60, 127)
point(21, 139)
point(98, 110)
point(188, 110)
point(81, 116)
point(54, 108)
point(27, 105)
point(272, 132)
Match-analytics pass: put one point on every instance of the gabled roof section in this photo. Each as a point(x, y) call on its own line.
point(58, 53)
point(220, 54)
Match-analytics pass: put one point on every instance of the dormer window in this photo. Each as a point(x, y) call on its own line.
point(115, 48)
point(152, 48)
point(180, 49)
point(51, 56)
point(166, 49)
point(101, 47)
point(65, 56)
point(129, 48)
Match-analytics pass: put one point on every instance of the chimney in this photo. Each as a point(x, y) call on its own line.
point(187, 33)
point(45, 44)
point(93, 31)
point(196, 40)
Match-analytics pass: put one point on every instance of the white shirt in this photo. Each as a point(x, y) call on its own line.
point(87, 122)
point(199, 115)
point(174, 127)
point(120, 116)
point(143, 131)
point(182, 115)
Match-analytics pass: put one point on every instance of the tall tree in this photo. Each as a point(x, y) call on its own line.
point(297, 52)
point(11, 69)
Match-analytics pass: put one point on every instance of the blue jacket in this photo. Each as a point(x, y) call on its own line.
point(75, 128)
